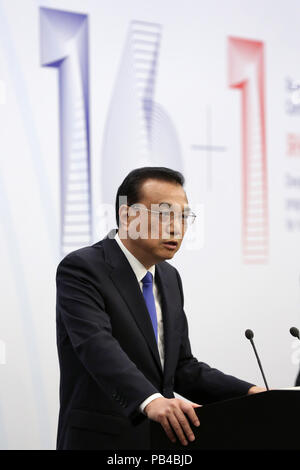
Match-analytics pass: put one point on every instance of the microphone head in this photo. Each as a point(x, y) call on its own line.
point(249, 334)
point(295, 332)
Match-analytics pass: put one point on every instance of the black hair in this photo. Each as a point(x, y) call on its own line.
point(132, 183)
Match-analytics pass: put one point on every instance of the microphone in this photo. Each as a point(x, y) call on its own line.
point(295, 332)
point(249, 335)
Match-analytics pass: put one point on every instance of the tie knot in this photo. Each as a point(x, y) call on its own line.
point(148, 278)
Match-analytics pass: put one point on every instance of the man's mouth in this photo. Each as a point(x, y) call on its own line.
point(171, 245)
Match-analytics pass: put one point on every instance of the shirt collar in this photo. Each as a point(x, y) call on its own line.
point(137, 267)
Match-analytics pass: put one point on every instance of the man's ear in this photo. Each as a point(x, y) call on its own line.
point(123, 216)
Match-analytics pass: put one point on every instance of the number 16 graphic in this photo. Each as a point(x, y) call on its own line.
point(64, 46)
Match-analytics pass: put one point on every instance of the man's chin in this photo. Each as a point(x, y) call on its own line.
point(165, 253)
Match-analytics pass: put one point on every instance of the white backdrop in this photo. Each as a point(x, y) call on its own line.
point(196, 126)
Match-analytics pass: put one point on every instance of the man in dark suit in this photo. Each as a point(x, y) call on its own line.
point(122, 333)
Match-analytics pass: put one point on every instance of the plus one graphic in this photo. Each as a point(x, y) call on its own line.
point(138, 130)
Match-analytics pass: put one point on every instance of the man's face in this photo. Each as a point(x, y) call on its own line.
point(161, 231)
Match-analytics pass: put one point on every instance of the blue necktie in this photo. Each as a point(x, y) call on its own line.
point(149, 299)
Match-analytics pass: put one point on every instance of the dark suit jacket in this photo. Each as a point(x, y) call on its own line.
point(108, 356)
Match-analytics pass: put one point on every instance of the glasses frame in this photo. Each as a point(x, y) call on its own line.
point(190, 217)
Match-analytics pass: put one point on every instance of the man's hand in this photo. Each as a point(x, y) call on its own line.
point(256, 389)
point(170, 413)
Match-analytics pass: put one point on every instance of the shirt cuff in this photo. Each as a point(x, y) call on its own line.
point(148, 400)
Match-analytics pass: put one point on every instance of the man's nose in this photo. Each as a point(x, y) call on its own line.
point(175, 227)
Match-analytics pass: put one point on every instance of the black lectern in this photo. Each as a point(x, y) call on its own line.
point(268, 421)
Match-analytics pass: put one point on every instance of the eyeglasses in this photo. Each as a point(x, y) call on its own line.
point(166, 216)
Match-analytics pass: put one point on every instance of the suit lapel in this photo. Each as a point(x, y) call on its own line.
point(126, 282)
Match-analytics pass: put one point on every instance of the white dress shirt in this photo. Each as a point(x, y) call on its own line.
point(140, 271)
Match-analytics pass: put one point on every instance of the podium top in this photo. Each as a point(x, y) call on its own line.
point(260, 421)
point(288, 388)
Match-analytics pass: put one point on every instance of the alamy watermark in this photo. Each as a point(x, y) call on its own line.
point(157, 221)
